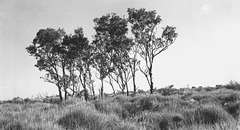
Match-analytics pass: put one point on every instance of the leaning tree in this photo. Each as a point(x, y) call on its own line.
point(46, 48)
point(144, 28)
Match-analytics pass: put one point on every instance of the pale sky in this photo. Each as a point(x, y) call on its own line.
point(206, 52)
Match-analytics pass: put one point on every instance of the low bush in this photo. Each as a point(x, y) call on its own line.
point(160, 121)
point(207, 114)
point(3, 123)
point(81, 118)
point(229, 97)
point(87, 118)
point(233, 109)
point(232, 85)
point(132, 108)
point(147, 103)
point(14, 126)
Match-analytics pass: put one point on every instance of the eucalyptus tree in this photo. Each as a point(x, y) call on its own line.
point(46, 48)
point(84, 60)
point(79, 54)
point(133, 63)
point(111, 46)
point(144, 28)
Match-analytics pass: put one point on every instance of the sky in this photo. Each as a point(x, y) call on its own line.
point(205, 53)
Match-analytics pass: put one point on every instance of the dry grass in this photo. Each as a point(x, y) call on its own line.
point(208, 111)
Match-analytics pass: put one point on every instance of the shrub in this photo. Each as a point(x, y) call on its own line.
point(233, 109)
point(3, 123)
point(210, 101)
point(14, 126)
point(229, 97)
point(147, 103)
point(87, 118)
point(160, 121)
point(71, 101)
point(206, 114)
point(121, 99)
point(101, 105)
point(82, 118)
point(232, 85)
point(132, 108)
point(200, 96)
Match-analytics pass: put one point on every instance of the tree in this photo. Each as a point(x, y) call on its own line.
point(144, 28)
point(133, 63)
point(79, 53)
point(46, 49)
point(111, 44)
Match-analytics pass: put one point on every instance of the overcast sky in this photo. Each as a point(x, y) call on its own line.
point(206, 52)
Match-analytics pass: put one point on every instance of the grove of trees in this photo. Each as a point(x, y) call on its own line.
point(71, 61)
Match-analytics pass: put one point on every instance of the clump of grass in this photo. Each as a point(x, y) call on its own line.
point(71, 101)
point(29, 116)
point(207, 114)
point(84, 117)
point(233, 109)
point(14, 126)
point(162, 121)
point(132, 108)
point(121, 99)
point(3, 123)
point(229, 97)
point(200, 96)
point(147, 103)
point(88, 118)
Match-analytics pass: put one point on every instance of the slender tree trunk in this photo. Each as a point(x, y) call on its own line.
point(64, 82)
point(91, 84)
point(93, 91)
point(134, 85)
point(126, 85)
point(123, 88)
point(60, 92)
point(101, 91)
point(151, 80)
point(65, 90)
point(133, 71)
point(85, 88)
point(110, 82)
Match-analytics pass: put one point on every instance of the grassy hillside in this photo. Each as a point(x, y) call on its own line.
point(179, 109)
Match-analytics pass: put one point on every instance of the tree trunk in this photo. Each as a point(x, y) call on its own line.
point(110, 82)
point(134, 85)
point(85, 88)
point(93, 91)
point(64, 82)
point(65, 90)
point(101, 91)
point(91, 84)
point(85, 94)
point(151, 80)
point(133, 70)
point(126, 85)
point(60, 93)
